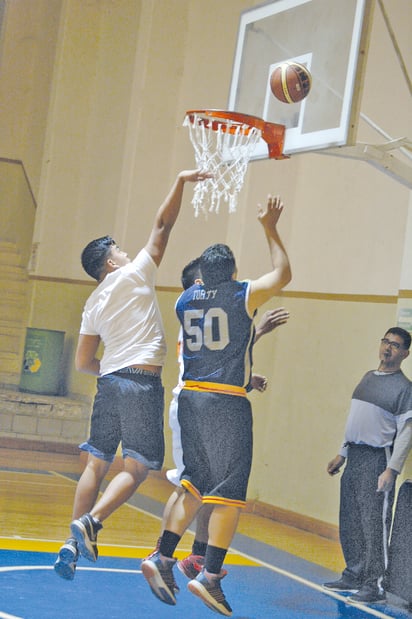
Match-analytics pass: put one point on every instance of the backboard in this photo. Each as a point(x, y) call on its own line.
point(330, 37)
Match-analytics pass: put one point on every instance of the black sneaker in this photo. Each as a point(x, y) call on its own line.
point(65, 566)
point(343, 584)
point(208, 589)
point(159, 574)
point(85, 531)
point(368, 594)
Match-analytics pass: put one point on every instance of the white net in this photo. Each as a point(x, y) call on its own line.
point(222, 147)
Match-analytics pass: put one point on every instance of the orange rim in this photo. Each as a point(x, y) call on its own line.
point(272, 133)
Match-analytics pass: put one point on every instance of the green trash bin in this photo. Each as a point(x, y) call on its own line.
point(41, 370)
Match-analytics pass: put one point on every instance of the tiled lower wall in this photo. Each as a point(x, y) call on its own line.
point(36, 417)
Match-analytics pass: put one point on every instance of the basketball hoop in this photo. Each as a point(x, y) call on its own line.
point(223, 143)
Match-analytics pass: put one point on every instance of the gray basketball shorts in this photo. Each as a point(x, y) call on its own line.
point(217, 441)
point(128, 410)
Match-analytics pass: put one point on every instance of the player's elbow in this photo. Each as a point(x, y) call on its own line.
point(164, 223)
point(286, 276)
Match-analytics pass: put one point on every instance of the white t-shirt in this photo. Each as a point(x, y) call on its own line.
point(124, 312)
point(176, 390)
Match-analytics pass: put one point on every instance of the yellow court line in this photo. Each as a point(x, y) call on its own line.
point(36, 545)
point(105, 550)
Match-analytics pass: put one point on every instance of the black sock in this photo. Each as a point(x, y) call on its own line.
point(168, 544)
point(199, 548)
point(214, 559)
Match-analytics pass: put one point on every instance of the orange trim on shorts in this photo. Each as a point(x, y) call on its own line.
point(218, 500)
point(192, 489)
point(215, 500)
point(194, 385)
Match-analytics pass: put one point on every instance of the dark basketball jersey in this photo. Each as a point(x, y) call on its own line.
point(217, 334)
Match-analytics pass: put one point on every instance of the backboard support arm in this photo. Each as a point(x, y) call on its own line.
point(378, 155)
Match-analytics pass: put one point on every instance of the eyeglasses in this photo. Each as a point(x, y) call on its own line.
point(392, 344)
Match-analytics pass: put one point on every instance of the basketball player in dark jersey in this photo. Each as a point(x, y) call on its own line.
point(214, 412)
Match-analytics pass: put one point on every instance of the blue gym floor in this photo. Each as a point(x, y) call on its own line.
point(114, 588)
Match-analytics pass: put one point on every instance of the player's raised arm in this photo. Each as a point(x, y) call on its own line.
point(168, 212)
point(270, 284)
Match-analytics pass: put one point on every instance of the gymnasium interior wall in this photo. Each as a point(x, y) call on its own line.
point(93, 96)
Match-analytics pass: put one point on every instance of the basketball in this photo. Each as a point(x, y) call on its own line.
point(290, 82)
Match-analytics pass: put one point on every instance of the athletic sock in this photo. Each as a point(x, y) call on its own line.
point(199, 548)
point(168, 544)
point(214, 559)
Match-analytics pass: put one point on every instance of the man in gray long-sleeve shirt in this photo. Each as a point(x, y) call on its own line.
point(378, 438)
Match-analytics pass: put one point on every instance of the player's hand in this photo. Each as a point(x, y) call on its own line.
point(269, 216)
point(258, 382)
point(334, 465)
point(270, 320)
point(194, 176)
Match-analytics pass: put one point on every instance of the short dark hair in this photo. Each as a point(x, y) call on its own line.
point(190, 272)
point(405, 335)
point(217, 264)
point(94, 256)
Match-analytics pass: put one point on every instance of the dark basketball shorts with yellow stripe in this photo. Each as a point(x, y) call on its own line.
point(216, 431)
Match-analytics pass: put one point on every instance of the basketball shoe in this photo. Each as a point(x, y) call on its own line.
point(65, 565)
point(368, 594)
point(207, 587)
point(156, 550)
point(84, 530)
point(158, 572)
point(153, 553)
point(191, 566)
point(343, 584)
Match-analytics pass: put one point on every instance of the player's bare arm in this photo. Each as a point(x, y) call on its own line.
point(270, 320)
point(85, 360)
point(270, 284)
point(169, 211)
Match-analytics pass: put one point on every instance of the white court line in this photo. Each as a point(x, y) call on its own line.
point(23, 568)
point(6, 616)
point(312, 585)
